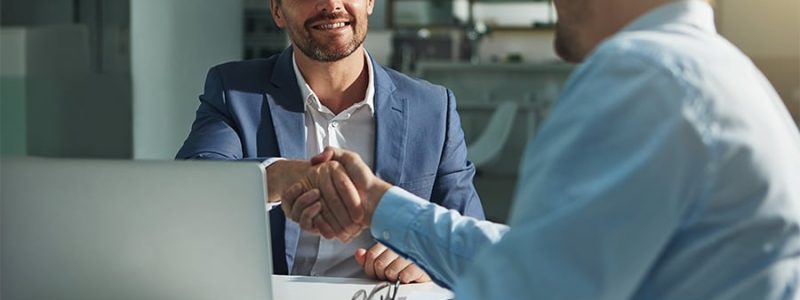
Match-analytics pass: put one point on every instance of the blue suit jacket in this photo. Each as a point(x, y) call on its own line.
point(253, 110)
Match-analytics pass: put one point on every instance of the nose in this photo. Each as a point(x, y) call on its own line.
point(330, 5)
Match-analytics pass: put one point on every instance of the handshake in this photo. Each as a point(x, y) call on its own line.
point(335, 197)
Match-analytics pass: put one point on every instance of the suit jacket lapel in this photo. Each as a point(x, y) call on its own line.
point(390, 128)
point(287, 109)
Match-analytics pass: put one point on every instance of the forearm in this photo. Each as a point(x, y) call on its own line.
point(441, 241)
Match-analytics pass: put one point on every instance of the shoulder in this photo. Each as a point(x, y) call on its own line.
point(666, 61)
point(685, 53)
point(408, 84)
point(420, 94)
point(247, 72)
point(245, 66)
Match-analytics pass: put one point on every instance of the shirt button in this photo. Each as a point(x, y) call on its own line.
point(334, 124)
point(386, 235)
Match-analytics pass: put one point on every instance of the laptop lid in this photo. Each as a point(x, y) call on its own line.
point(101, 229)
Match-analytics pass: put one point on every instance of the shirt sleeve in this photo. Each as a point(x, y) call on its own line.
point(264, 165)
point(441, 241)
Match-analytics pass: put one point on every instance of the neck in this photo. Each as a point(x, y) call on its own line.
point(338, 84)
point(611, 21)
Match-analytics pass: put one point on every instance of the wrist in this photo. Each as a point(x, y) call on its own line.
point(282, 174)
point(374, 193)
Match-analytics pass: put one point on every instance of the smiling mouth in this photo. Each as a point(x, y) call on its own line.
point(331, 26)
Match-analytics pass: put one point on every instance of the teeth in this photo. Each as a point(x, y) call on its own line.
point(332, 26)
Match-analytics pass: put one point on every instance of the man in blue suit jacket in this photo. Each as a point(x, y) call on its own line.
point(290, 106)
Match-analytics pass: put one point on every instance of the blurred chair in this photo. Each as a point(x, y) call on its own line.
point(488, 146)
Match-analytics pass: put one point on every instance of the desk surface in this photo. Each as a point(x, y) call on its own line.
point(313, 288)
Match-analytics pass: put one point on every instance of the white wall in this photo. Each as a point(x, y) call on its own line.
point(173, 44)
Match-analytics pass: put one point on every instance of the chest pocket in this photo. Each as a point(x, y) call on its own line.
point(421, 187)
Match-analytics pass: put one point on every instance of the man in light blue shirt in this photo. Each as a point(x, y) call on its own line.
point(668, 169)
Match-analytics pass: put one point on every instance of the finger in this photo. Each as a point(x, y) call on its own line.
point(358, 171)
point(372, 254)
point(289, 196)
point(313, 177)
point(328, 218)
point(383, 261)
point(413, 273)
point(348, 193)
point(353, 231)
point(297, 214)
point(307, 218)
point(302, 202)
point(325, 229)
point(333, 201)
point(361, 256)
point(394, 269)
point(424, 278)
point(326, 155)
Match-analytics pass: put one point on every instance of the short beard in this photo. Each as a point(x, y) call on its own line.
point(311, 49)
point(317, 52)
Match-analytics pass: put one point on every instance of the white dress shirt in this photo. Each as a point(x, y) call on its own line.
point(352, 129)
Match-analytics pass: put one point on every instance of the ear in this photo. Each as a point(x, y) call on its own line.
point(370, 6)
point(277, 14)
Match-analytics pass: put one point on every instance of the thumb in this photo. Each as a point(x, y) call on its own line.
point(324, 156)
point(361, 256)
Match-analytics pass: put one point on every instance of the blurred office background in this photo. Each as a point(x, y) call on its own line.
point(120, 78)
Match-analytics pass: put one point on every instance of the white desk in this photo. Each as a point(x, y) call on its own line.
point(314, 288)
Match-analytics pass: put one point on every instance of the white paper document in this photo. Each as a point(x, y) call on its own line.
point(314, 288)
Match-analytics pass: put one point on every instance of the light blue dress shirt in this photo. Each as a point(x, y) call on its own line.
point(668, 169)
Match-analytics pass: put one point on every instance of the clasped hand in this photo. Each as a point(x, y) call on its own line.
point(331, 199)
point(336, 199)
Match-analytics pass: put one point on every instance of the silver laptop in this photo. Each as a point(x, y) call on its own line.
point(92, 229)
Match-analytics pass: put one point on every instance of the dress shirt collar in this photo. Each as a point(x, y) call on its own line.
point(697, 13)
point(311, 100)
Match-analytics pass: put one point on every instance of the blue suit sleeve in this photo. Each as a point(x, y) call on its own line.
point(454, 187)
point(213, 134)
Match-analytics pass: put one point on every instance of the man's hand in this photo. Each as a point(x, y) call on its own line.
point(370, 187)
point(382, 263)
point(317, 212)
point(342, 213)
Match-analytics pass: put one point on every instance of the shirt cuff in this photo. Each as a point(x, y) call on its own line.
point(268, 162)
point(264, 165)
point(394, 216)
